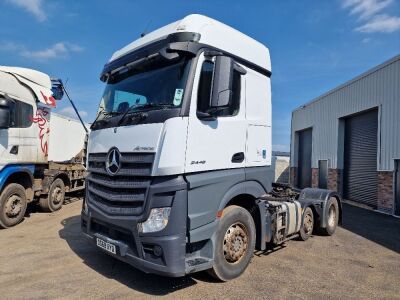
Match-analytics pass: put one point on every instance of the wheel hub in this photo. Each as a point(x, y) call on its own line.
point(308, 224)
point(57, 195)
point(235, 243)
point(13, 206)
point(332, 216)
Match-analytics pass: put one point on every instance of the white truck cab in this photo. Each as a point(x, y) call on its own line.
point(26, 101)
point(181, 150)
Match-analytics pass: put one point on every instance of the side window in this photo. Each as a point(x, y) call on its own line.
point(205, 87)
point(21, 115)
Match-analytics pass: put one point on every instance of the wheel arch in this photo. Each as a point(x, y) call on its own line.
point(245, 195)
point(51, 176)
point(317, 199)
point(22, 175)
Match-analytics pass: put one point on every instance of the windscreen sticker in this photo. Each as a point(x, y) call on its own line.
point(178, 97)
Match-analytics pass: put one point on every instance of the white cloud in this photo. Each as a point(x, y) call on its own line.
point(34, 7)
point(70, 112)
point(58, 50)
point(365, 8)
point(10, 46)
point(380, 23)
point(371, 13)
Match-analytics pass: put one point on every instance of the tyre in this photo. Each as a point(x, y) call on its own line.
point(13, 205)
point(307, 224)
point(332, 217)
point(55, 198)
point(234, 243)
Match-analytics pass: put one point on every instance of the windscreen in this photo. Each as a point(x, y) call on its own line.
point(155, 84)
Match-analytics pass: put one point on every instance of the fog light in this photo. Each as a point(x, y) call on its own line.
point(157, 251)
point(157, 220)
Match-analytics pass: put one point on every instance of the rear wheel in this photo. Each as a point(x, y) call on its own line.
point(307, 224)
point(13, 205)
point(235, 243)
point(55, 198)
point(332, 217)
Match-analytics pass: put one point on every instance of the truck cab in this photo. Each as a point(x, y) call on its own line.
point(26, 101)
point(181, 147)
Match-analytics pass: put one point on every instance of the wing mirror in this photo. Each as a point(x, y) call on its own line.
point(5, 113)
point(222, 89)
point(57, 88)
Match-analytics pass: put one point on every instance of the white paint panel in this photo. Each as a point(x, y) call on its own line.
point(170, 157)
point(257, 153)
point(126, 138)
point(212, 33)
point(66, 138)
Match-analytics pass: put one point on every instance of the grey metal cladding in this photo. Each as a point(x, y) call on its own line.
point(379, 88)
point(262, 175)
point(206, 191)
point(211, 191)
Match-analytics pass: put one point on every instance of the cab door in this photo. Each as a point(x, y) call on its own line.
point(18, 143)
point(217, 142)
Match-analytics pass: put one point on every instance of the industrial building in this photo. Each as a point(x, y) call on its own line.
point(348, 139)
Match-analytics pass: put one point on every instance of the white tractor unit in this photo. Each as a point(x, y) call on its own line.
point(179, 156)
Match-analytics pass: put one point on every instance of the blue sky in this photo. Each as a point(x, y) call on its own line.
point(315, 44)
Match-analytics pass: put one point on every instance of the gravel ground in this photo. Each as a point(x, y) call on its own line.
point(46, 257)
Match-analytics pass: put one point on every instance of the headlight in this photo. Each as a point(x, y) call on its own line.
point(157, 220)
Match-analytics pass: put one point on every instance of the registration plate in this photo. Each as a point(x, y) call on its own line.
point(106, 246)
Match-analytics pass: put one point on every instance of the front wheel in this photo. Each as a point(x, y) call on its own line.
point(235, 243)
point(13, 205)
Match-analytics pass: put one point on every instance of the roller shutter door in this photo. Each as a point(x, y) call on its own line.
point(305, 152)
point(360, 158)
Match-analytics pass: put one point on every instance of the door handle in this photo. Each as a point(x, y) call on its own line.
point(238, 157)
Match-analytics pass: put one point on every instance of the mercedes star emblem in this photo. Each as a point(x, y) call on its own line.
point(113, 162)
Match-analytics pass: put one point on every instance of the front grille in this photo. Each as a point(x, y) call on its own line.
point(124, 193)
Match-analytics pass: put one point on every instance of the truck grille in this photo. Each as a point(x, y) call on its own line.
point(122, 194)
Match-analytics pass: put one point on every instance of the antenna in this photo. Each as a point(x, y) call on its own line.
point(145, 28)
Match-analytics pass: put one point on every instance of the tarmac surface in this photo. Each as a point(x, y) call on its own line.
point(46, 257)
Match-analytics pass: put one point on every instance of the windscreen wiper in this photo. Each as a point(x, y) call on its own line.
point(105, 113)
point(140, 107)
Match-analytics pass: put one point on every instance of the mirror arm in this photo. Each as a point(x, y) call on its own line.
point(240, 69)
point(212, 53)
point(205, 116)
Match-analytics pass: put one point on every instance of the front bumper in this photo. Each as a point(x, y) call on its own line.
point(142, 251)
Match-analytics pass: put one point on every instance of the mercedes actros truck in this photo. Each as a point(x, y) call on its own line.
point(179, 156)
point(36, 145)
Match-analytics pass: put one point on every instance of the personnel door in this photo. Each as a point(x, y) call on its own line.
point(304, 158)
